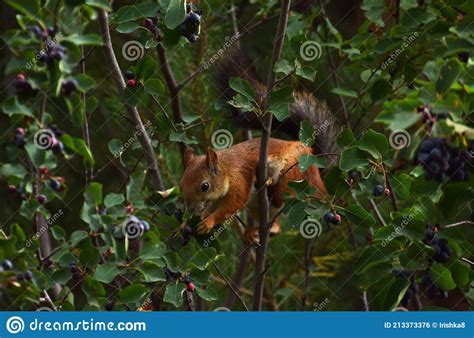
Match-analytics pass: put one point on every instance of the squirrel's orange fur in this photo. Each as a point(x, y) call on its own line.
point(229, 176)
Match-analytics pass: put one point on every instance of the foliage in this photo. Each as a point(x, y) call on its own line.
point(118, 241)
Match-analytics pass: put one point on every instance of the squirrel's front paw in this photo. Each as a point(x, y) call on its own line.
point(205, 226)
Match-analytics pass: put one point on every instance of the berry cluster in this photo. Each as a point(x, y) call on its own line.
point(51, 50)
point(191, 26)
point(76, 272)
point(186, 232)
point(411, 291)
point(22, 87)
point(333, 217)
point(432, 291)
point(151, 25)
point(8, 265)
point(442, 253)
point(131, 81)
point(439, 160)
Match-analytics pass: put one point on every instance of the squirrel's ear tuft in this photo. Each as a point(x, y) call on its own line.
point(211, 160)
point(188, 156)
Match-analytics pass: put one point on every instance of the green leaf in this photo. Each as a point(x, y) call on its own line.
point(89, 257)
point(93, 194)
point(203, 258)
point(359, 216)
point(11, 106)
point(133, 294)
point(442, 277)
point(284, 66)
point(352, 158)
point(307, 134)
point(84, 40)
point(279, 103)
point(449, 73)
point(172, 261)
point(137, 11)
point(308, 160)
point(346, 138)
point(242, 87)
point(373, 11)
point(134, 188)
point(207, 294)
point(152, 272)
point(175, 13)
point(92, 289)
point(306, 72)
point(102, 4)
point(106, 273)
point(154, 86)
point(344, 92)
point(30, 8)
point(77, 237)
point(374, 143)
point(146, 68)
point(460, 272)
point(174, 294)
point(16, 170)
point(85, 82)
point(113, 199)
point(127, 27)
point(78, 146)
point(380, 90)
point(58, 233)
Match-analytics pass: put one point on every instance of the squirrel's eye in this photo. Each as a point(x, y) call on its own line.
point(204, 186)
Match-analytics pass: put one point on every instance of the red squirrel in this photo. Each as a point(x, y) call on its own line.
point(221, 182)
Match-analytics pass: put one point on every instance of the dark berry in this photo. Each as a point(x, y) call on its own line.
point(12, 189)
point(57, 146)
point(77, 275)
point(178, 214)
point(28, 275)
point(329, 217)
point(186, 231)
point(378, 190)
point(56, 131)
point(129, 75)
point(74, 269)
point(354, 174)
point(109, 306)
point(146, 226)
point(41, 199)
point(21, 77)
point(7, 264)
point(68, 86)
point(44, 170)
point(337, 219)
point(20, 278)
point(131, 83)
point(55, 185)
point(187, 279)
point(20, 131)
point(148, 22)
point(386, 192)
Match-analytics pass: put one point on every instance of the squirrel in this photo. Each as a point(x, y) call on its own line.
point(221, 183)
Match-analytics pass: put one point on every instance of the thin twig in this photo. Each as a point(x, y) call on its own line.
point(262, 172)
point(145, 141)
point(457, 224)
point(377, 212)
point(235, 292)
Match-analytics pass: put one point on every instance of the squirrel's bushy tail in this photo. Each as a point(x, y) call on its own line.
point(305, 107)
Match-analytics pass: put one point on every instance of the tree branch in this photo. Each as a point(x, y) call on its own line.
point(264, 204)
point(132, 111)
